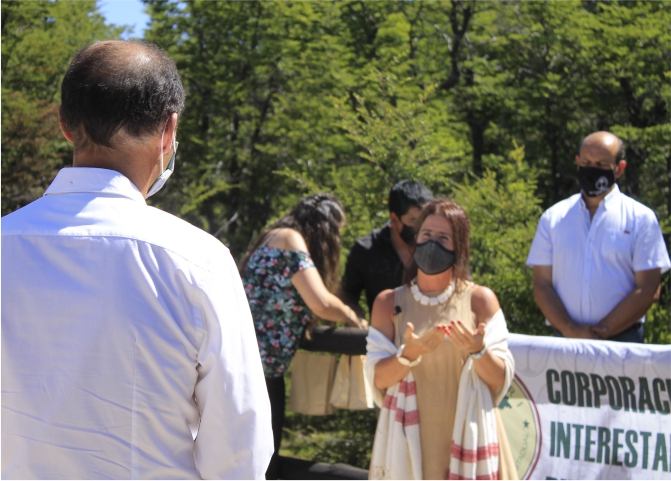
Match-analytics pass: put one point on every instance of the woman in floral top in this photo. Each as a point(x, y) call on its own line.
point(290, 273)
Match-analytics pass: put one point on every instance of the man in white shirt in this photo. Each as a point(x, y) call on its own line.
point(598, 256)
point(125, 330)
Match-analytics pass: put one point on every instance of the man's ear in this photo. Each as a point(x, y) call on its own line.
point(170, 131)
point(66, 132)
point(619, 170)
point(395, 221)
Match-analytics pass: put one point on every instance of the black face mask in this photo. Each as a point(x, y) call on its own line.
point(432, 258)
point(407, 234)
point(594, 181)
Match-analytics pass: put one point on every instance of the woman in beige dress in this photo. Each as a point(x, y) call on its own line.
point(440, 317)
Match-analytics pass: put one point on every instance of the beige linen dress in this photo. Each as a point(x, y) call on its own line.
point(437, 379)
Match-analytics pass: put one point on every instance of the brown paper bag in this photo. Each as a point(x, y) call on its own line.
point(350, 388)
point(340, 390)
point(311, 381)
point(360, 392)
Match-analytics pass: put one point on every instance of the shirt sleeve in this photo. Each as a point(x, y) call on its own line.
point(649, 248)
point(353, 281)
point(235, 438)
point(541, 247)
point(300, 260)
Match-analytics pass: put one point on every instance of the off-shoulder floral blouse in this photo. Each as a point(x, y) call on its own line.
point(279, 312)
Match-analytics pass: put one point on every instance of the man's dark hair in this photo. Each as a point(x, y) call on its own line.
point(407, 194)
point(115, 85)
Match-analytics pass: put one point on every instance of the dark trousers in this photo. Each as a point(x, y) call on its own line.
point(631, 334)
point(277, 397)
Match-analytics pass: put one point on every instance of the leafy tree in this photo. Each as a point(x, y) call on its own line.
point(257, 76)
point(38, 39)
point(392, 140)
point(632, 80)
point(504, 210)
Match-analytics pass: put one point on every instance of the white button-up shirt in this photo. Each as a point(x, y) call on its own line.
point(593, 262)
point(124, 328)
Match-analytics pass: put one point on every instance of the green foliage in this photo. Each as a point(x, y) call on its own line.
point(38, 39)
point(649, 158)
point(391, 138)
point(504, 210)
point(259, 76)
point(658, 317)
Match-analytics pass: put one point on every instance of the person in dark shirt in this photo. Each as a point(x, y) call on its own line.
point(376, 261)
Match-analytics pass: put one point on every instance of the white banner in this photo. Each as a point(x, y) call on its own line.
point(589, 409)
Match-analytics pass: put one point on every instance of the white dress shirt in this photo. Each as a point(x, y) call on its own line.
point(593, 262)
point(124, 327)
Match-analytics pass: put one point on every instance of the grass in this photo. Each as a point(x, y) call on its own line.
point(343, 437)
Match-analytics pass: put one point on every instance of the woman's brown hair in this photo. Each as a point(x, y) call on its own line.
point(318, 218)
point(461, 231)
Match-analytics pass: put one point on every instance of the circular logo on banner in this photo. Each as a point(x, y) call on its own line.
point(523, 429)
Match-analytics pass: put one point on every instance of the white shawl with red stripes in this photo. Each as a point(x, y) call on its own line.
point(475, 445)
point(475, 448)
point(397, 452)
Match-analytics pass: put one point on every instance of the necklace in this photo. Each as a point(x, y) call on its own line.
point(425, 300)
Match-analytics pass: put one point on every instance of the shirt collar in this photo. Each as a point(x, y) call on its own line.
point(71, 180)
point(612, 197)
point(607, 201)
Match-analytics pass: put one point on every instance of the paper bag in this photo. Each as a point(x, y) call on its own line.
point(360, 392)
point(340, 390)
point(350, 388)
point(311, 381)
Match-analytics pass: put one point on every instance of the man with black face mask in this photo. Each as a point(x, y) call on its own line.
point(377, 260)
point(598, 256)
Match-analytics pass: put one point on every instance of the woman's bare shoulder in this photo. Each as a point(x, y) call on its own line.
point(287, 239)
point(385, 299)
point(484, 303)
point(381, 317)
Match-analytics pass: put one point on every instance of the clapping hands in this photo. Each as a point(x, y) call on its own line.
point(416, 346)
point(465, 338)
